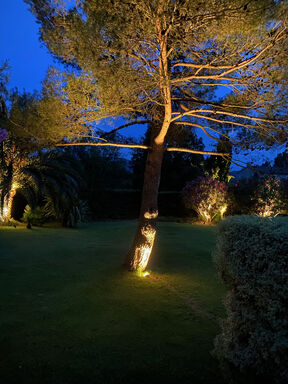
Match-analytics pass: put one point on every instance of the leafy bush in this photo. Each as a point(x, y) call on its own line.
point(68, 211)
point(252, 259)
point(269, 197)
point(35, 216)
point(242, 196)
point(207, 196)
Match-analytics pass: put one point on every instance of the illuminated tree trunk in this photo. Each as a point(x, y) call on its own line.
point(6, 205)
point(8, 189)
point(141, 249)
point(139, 254)
point(12, 193)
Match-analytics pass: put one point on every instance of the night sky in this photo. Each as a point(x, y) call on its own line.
point(29, 59)
point(19, 44)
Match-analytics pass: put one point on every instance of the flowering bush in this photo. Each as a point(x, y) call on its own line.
point(207, 196)
point(268, 196)
point(3, 135)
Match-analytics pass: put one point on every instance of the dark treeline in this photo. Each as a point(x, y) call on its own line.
point(109, 185)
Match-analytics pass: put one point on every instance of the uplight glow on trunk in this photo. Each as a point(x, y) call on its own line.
point(143, 252)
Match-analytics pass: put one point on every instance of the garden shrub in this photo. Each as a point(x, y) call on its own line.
point(252, 259)
point(242, 196)
point(35, 216)
point(269, 197)
point(207, 196)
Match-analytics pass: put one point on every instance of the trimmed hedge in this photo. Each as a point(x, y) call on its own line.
point(252, 259)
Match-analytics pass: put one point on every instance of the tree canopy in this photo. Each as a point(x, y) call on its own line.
point(213, 65)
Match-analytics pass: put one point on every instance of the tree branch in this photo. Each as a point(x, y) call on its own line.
point(198, 126)
point(207, 133)
point(212, 77)
point(209, 66)
point(220, 105)
point(216, 112)
point(253, 118)
point(196, 152)
point(232, 68)
point(230, 122)
point(105, 145)
point(90, 137)
point(126, 125)
point(169, 149)
point(280, 35)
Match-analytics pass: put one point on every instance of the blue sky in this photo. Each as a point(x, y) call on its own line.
point(19, 44)
point(29, 59)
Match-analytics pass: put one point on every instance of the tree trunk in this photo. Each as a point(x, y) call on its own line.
point(139, 254)
point(8, 191)
point(6, 205)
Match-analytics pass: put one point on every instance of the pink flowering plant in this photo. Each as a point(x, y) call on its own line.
point(206, 196)
point(269, 197)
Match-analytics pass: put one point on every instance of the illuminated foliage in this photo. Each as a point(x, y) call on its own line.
point(207, 196)
point(269, 197)
point(12, 160)
point(135, 58)
point(34, 216)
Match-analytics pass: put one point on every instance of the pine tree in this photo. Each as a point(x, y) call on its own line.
point(166, 61)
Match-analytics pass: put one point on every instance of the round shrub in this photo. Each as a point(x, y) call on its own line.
point(269, 197)
point(206, 196)
point(34, 216)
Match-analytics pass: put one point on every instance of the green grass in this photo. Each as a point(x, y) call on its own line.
point(70, 314)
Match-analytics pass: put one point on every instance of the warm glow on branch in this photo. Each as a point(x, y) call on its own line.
point(144, 147)
point(106, 145)
point(197, 152)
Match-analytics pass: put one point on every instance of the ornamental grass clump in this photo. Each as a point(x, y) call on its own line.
point(207, 196)
point(252, 260)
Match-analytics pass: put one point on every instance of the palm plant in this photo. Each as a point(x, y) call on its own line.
point(12, 159)
point(50, 178)
point(53, 178)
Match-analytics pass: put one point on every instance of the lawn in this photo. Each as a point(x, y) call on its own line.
point(70, 314)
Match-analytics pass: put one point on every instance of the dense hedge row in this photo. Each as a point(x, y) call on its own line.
point(252, 259)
